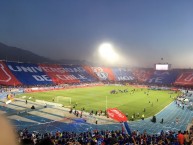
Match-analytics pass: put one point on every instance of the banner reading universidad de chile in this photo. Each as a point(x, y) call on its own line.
point(6, 77)
point(29, 74)
point(79, 72)
point(59, 74)
point(104, 73)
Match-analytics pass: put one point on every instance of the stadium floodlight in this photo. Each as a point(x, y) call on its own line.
point(107, 52)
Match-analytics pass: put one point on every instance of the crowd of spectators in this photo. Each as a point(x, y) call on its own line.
point(92, 137)
point(106, 138)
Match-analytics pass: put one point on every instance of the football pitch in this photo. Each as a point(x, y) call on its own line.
point(100, 98)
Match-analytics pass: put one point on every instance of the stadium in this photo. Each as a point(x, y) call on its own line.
point(96, 72)
point(42, 98)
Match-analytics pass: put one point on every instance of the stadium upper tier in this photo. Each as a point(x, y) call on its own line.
point(14, 74)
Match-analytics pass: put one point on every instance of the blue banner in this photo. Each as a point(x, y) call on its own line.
point(79, 73)
point(126, 128)
point(29, 74)
point(123, 74)
point(163, 77)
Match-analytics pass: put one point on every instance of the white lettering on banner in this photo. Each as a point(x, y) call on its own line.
point(156, 80)
point(46, 69)
point(70, 77)
point(81, 77)
point(68, 70)
point(189, 78)
point(97, 69)
point(17, 68)
point(77, 69)
point(99, 72)
point(66, 77)
point(37, 69)
point(181, 76)
point(118, 113)
point(41, 78)
point(162, 73)
point(46, 78)
point(62, 70)
point(56, 70)
point(125, 78)
point(102, 75)
point(25, 69)
point(111, 114)
point(4, 73)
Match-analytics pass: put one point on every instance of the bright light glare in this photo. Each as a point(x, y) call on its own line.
point(107, 52)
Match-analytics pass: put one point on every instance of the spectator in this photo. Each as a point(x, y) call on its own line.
point(104, 137)
point(186, 138)
point(7, 135)
point(180, 138)
point(46, 141)
point(162, 121)
point(153, 119)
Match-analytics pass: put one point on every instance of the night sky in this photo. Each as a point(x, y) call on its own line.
point(141, 31)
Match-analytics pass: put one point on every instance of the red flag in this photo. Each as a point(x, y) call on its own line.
point(117, 115)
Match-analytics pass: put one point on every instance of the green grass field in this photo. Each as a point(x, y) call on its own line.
point(94, 98)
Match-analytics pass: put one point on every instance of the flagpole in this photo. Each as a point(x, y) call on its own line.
point(106, 102)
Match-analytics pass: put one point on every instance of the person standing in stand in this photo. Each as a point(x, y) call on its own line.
point(180, 138)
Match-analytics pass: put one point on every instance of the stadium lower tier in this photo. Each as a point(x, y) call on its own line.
point(42, 126)
point(48, 124)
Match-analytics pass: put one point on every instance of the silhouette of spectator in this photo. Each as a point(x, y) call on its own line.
point(153, 119)
point(162, 121)
point(7, 135)
point(46, 141)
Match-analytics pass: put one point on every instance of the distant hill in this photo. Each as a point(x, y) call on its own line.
point(17, 54)
point(10, 53)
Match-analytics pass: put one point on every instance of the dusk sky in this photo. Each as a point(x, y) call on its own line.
point(141, 31)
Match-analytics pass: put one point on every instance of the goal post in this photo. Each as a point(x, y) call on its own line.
point(63, 100)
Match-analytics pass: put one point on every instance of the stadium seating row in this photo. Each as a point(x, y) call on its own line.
point(14, 73)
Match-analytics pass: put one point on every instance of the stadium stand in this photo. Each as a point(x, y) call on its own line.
point(3, 95)
point(6, 77)
point(18, 74)
point(80, 73)
point(57, 126)
point(90, 71)
point(37, 127)
point(53, 118)
point(163, 77)
point(103, 73)
point(123, 75)
point(29, 74)
point(185, 79)
point(103, 137)
point(142, 75)
point(58, 74)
